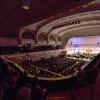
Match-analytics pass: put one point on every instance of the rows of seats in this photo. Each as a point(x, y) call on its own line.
point(16, 49)
point(13, 82)
point(15, 85)
point(53, 67)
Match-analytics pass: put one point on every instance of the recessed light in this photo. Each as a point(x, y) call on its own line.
point(26, 4)
point(93, 2)
point(26, 7)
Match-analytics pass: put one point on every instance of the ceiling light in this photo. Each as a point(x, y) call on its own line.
point(26, 4)
point(93, 2)
point(25, 7)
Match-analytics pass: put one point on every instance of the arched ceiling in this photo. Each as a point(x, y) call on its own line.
point(82, 31)
point(88, 14)
point(44, 14)
point(13, 16)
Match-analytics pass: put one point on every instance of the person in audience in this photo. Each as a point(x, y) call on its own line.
point(36, 91)
point(10, 91)
point(23, 94)
point(3, 86)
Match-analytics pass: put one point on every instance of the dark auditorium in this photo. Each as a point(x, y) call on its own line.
point(50, 50)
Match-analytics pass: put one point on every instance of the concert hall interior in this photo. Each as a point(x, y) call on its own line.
point(49, 49)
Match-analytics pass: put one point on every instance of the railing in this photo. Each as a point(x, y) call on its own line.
point(84, 82)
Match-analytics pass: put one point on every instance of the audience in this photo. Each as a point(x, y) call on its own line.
point(21, 49)
point(15, 85)
point(18, 86)
point(53, 67)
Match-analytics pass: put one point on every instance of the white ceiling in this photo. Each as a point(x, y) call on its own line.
point(72, 29)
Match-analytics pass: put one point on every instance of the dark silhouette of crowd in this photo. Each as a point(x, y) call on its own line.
point(15, 85)
point(21, 49)
point(53, 67)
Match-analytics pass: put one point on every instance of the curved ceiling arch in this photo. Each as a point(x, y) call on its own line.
point(52, 38)
point(61, 16)
point(59, 38)
point(77, 27)
point(85, 16)
point(28, 35)
point(88, 7)
point(80, 32)
point(42, 37)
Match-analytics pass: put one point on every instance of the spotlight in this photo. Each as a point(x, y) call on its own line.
point(67, 23)
point(64, 24)
point(70, 23)
point(78, 21)
point(52, 27)
point(56, 26)
point(73, 23)
point(60, 25)
point(26, 4)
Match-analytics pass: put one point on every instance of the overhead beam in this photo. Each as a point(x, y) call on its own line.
point(28, 16)
point(43, 7)
point(11, 15)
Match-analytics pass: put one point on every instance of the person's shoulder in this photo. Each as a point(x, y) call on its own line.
point(25, 88)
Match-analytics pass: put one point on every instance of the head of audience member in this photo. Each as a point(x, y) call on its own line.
point(1, 60)
point(26, 73)
point(35, 81)
point(12, 70)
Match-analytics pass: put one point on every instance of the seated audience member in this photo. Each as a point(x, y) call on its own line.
point(11, 81)
point(5, 69)
point(22, 79)
point(36, 91)
point(3, 86)
point(23, 94)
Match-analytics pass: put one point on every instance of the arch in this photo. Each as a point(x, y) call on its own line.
point(58, 38)
point(28, 35)
point(11, 34)
point(42, 37)
point(52, 38)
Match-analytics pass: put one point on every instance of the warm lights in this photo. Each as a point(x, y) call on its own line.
point(26, 4)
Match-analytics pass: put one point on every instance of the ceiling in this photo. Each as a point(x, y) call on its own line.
point(88, 15)
point(14, 17)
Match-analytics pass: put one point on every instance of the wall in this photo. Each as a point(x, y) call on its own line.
point(8, 42)
point(90, 44)
point(25, 42)
point(18, 58)
point(59, 43)
point(52, 42)
point(43, 42)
